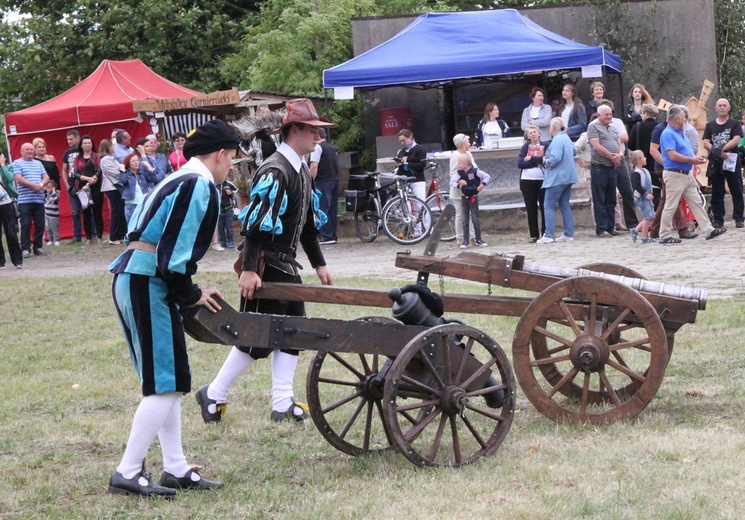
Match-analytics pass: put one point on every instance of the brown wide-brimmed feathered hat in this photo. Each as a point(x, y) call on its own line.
point(302, 111)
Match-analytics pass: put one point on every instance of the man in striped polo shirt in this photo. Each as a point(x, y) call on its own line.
point(31, 179)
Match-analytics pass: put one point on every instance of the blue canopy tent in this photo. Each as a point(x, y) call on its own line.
point(452, 47)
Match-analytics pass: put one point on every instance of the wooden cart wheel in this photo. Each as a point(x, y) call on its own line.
point(344, 392)
point(553, 374)
point(621, 270)
point(449, 397)
point(602, 366)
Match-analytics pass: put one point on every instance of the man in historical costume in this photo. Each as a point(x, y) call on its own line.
point(283, 210)
point(170, 231)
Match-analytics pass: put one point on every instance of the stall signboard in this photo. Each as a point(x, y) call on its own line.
point(214, 99)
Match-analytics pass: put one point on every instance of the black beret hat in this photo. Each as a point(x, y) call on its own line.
point(212, 136)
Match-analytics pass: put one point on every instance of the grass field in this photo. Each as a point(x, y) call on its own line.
point(681, 458)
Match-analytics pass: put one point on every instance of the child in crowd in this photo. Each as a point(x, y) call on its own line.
point(225, 222)
point(51, 212)
point(641, 181)
point(471, 181)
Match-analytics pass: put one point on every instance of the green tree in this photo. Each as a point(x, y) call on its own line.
point(730, 31)
point(291, 43)
point(54, 44)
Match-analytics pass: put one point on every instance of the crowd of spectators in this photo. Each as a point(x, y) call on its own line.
point(31, 186)
point(602, 147)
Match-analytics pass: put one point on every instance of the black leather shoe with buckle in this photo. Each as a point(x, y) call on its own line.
point(205, 402)
point(290, 415)
point(186, 482)
point(140, 485)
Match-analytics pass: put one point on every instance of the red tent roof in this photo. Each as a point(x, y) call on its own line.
point(104, 97)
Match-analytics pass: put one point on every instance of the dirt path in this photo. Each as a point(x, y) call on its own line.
point(715, 265)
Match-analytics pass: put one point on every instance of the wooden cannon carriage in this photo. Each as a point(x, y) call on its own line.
point(441, 395)
point(592, 346)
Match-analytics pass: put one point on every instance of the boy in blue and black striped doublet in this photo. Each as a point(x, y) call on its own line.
point(169, 232)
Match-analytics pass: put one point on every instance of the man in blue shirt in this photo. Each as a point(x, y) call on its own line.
point(123, 146)
point(31, 179)
point(678, 160)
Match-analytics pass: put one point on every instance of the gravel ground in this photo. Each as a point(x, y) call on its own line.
point(714, 265)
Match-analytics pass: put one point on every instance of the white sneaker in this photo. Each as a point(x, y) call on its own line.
point(545, 240)
point(218, 247)
point(48, 244)
point(56, 243)
point(564, 238)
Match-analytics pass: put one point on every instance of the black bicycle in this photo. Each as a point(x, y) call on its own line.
point(386, 202)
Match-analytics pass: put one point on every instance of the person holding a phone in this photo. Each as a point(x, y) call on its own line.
point(411, 160)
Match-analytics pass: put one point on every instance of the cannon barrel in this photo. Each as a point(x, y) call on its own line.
point(639, 284)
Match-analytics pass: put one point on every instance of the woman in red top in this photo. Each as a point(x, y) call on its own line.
point(87, 173)
point(177, 158)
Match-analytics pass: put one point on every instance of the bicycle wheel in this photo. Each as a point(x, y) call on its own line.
point(436, 203)
point(406, 221)
point(367, 223)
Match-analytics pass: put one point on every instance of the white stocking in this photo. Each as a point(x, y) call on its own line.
point(236, 363)
point(174, 461)
point(283, 373)
point(150, 416)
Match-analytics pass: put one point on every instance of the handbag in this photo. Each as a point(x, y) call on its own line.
point(84, 199)
point(16, 209)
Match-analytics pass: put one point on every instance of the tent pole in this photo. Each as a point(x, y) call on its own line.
point(620, 82)
point(326, 109)
point(5, 132)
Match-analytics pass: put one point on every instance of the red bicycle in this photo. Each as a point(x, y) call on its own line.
point(438, 198)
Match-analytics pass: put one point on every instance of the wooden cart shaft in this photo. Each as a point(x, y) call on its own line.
point(674, 310)
point(230, 327)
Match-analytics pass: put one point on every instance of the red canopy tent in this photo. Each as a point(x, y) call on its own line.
point(95, 106)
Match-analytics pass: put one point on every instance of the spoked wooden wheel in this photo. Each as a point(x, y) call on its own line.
point(344, 394)
point(449, 397)
point(590, 350)
point(622, 270)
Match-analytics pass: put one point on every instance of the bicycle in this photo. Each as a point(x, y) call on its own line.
point(436, 201)
point(405, 219)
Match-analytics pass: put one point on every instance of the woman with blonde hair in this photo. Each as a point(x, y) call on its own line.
point(639, 97)
point(530, 163)
point(560, 174)
point(110, 186)
point(47, 161)
point(462, 145)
